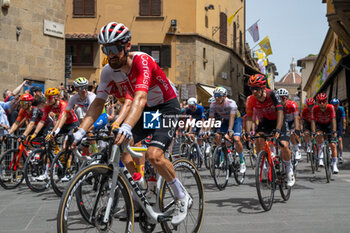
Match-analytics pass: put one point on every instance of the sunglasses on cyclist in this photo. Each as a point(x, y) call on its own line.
point(254, 89)
point(25, 102)
point(115, 49)
point(51, 97)
point(284, 97)
point(322, 102)
point(218, 95)
point(82, 88)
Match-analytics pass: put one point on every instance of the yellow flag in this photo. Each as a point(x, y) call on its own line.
point(259, 54)
point(230, 19)
point(266, 46)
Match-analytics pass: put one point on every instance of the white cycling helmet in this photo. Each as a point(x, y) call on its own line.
point(211, 100)
point(114, 32)
point(192, 101)
point(220, 90)
point(282, 92)
point(80, 82)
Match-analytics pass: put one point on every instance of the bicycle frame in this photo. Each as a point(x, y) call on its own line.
point(18, 156)
point(140, 197)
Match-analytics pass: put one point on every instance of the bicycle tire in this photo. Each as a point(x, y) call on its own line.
point(59, 170)
point(327, 164)
point(191, 180)
point(220, 166)
point(207, 158)
point(10, 179)
point(310, 155)
point(103, 174)
point(184, 150)
point(252, 158)
point(239, 177)
point(285, 190)
point(262, 180)
point(39, 168)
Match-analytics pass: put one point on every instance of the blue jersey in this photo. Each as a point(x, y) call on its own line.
point(198, 114)
point(340, 114)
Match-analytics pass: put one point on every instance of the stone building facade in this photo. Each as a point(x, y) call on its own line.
point(27, 51)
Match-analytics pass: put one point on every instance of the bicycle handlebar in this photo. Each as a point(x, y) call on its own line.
point(133, 153)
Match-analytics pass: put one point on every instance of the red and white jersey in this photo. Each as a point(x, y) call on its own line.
point(306, 114)
point(323, 117)
point(144, 75)
point(267, 109)
point(291, 110)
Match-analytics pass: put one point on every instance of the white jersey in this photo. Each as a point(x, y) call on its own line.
point(229, 107)
point(82, 104)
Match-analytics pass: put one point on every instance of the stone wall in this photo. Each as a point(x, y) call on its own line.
point(31, 54)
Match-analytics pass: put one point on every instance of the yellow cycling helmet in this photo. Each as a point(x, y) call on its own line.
point(51, 92)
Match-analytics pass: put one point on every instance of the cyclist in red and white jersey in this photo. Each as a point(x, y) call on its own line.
point(268, 105)
point(306, 122)
point(323, 120)
point(138, 74)
point(292, 118)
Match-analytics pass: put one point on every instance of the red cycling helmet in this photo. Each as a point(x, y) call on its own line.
point(321, 97)
point(257, 80)
point(26, 97)
point(310, 101)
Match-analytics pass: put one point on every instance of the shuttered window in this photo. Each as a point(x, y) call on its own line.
point(81, 52)
point(84, 7)
point(160, 53)
point(234, 36)
point(150, 7)
point(223, 28)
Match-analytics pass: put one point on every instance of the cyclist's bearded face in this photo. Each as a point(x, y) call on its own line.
point(116, 55)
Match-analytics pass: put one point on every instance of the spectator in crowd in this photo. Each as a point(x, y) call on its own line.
point(7, 93)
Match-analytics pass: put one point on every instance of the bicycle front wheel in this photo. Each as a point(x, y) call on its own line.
point(239, 177)
point(83, 204)
point(35, 166)
point(265, 181)
point(192, 182)
point(327, 163)
point(63, 169)
point(11, 175)
point(220, 168)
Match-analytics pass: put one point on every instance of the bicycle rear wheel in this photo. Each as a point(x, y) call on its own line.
point(191, 180)
point(220, 168)
point(285, 190)
point(87, 195)
point(10, 177)
point(265, 181)
point(60, 174)
point(35, 165)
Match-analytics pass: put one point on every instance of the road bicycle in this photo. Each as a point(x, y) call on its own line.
point(38, 163)
point(12, 163)
point(200, 154)
point(270, 172)
point(98, 191)
point(185, 146)
point(225, 161)
point(62, 171)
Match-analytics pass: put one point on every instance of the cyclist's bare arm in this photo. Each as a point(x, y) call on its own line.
point(313, 126)
point(296, 121)
point(14, 127)
point(280, 118)
point(93, 113)
point(60, 122)
point(39, 127)
point(231, 121)
point(248, 123)
point(334, 124)
point(29, 128)
point(124, 112)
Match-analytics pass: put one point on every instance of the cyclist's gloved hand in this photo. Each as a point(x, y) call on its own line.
point(21, 138)
point(125, 130)
point(78, 135)
point(297, 132)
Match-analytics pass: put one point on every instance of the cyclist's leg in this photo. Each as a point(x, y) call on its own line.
point(237, 129)
point(340, 141)
point(320, 129)
point(293, 139)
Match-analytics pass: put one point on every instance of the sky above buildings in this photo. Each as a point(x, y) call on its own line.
point(295, 28)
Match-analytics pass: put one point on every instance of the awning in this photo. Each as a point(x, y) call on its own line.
point(206, 88)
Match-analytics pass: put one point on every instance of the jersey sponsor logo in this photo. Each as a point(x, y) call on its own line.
point(151, 120)
point(163, 82)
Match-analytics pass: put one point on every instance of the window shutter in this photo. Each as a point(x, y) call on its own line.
point(240, 42)
point(78, 7)
point(223, 28)
point(144, 7)
point(165, 56)
point(89, 7)
point(234, 36)
point(156, 7)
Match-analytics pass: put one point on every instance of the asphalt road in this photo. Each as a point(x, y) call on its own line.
point(314, 206)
